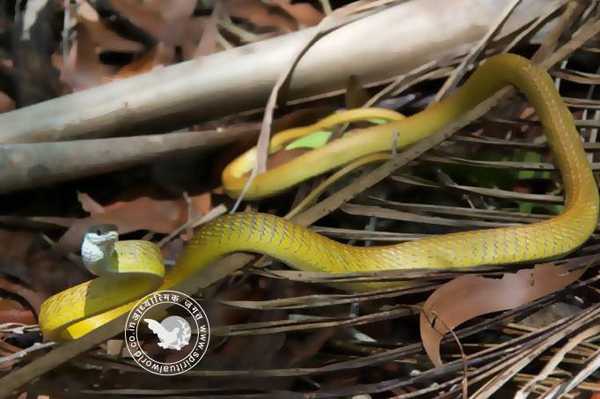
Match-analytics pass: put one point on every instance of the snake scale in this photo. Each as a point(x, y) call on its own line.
point(137, 267)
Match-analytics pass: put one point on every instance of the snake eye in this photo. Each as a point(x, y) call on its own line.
point(102, 229)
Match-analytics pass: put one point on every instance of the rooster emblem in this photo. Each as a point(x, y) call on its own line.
point(174, 332)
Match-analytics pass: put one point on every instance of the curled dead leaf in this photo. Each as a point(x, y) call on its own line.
point(159, 216)
point(469, 296)
point(13, 312)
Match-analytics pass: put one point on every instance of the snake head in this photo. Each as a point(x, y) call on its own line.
point(102, 233)
point(98, 247)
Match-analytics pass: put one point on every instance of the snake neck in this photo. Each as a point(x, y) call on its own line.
point(98, 252)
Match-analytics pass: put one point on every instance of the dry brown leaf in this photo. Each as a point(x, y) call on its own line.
point(469, 296)
point(17, 247)
point(193, 36)
point(208, 41)
point(284, 156)
point(160, 216)
point(13, 312)
point(7, 65)
point(6, 103)
point(260, 14)
point(165, 20)
point(82, 68)
point(356, 95)
point(33, 298)
point(304, 13)
point(159, 56)
point(173, 10)
point(150, 20)
point(25, 258)
point(89, 204)
point(101, 34)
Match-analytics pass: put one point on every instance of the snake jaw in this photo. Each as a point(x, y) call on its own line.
point(98, 247)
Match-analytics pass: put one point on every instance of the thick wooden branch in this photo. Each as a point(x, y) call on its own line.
point(39, 164)
point(374, 48)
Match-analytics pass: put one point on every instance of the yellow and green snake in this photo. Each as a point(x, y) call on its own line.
point(136, 267)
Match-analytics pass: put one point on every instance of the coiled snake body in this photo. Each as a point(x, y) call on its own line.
point(74, 312)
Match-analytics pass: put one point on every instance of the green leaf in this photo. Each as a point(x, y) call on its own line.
point(314, 140)
point(378, 121)
point(530, 156)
